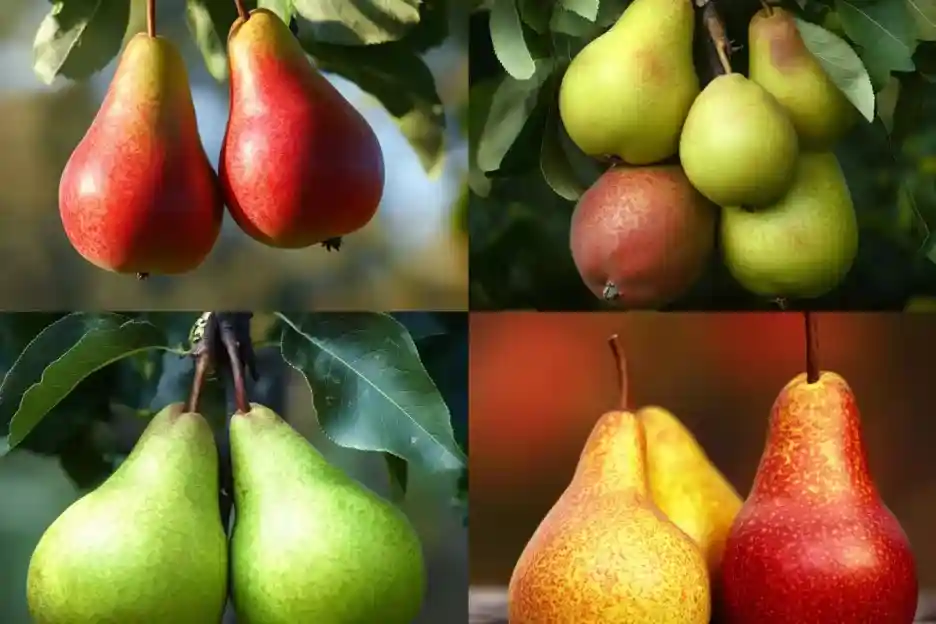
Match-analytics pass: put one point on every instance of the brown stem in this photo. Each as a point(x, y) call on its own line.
point(767, 7)
point(716, 30)
point(237, 369)
point(241, 11)
point(618, 352)
point(151, 18)
point(202, 364)
point(812, 347)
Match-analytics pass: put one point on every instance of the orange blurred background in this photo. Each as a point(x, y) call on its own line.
point(539, 381)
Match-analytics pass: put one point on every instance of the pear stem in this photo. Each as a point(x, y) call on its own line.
point(716, 31)
point(812, 347)
point(151, 31)
point(232, 346)
point(768, 9)
point(241, 11)
point(621, 362)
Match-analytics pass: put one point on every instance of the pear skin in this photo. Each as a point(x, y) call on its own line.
point(604, 553)
point(738, 147)
point(814, 543)
point(781, 63)
point(628, 91)
point(147, 546)
point(801, 247)
point(310, 544)
point(299, 165)
point(138, 194)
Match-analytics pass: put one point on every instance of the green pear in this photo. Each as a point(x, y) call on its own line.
point(800, 247)
point(627, 92)
point(738, 147)
point(310, 544)
point(147, 546)
point(781, 63)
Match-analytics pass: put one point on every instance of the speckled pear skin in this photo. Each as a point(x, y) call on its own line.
point(147, 546)
point(604, 554)
point(310, 544)
point(814, 543)
point(686, 486)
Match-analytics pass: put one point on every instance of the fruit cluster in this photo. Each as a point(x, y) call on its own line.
point(309, 544)
point(649, 530)
point(758, 147)
point(298, 166)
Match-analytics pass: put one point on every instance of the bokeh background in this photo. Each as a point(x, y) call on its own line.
point(538, 383)
point(35, 487)
point(413, 255)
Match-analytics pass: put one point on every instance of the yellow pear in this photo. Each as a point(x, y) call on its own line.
point(605, 554)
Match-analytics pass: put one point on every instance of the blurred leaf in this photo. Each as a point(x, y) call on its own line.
point(510, 45)
point(363, 22)
point(536, 14)
point(573, 24)
point(512, 105)
point(842, 64)
point(924, 16)
point(481, 95)
point(79, 37)
point(209, 22)
point(554, 162)
point(885, 33)
point(400, 79)
point(398, 473)
point(369, 388)
point(4, 446)
point(284, 9)
point(61, 356)
point(587, 9)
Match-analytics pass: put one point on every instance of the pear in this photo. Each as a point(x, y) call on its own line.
point(738, 147)
point(800, 247)
point(299, 165)
point(687, 487)
point(309, 543)
point(814, 543)
point(641, 236)
point(627, 92)
point(138, 194)
point(781, 63)
point(605, 554)
point(147, 546)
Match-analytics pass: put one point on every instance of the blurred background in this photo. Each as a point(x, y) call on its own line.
point(413, 255)
point(538, 383)
point(67, 456)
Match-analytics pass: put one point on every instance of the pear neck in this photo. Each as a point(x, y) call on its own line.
point(814, 445)
point(614, 457)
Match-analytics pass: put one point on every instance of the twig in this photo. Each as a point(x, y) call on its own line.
point(241, 11)
point(151, 31)
point(621, 362)
point(812, 348)
point(716, 31)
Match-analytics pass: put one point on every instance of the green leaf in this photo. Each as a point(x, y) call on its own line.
point(400, 79)
point(554, 163)
point(924, 16)
point(587, 9)
point(536, 14)
point(370, 389)
point(362, 22)
point(885, 33)
point(511, 107)
point(62, 355)
point(284, 9)
point(4, 445)
point(398, 472)
point(843, 65)
point(509, 42)
point(79, 37)
point(209, 22)
point(480, 98)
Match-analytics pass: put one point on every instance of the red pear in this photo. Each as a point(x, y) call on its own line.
point(138, 194)
point(814, 543)
point(299, 165)
point(641, 236)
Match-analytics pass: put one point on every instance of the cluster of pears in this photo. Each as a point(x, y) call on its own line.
point(309, 544)
point(758, 147)
point(649, 530)
point(298, 165)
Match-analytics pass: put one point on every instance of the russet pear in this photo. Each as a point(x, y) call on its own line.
point(138, 194)
point(605, 553)
point(147, 546)
point(738, 147)
point(781, 63)
point(803, 245)
point(299, 165)
point(814, 543)
point(627, 92)
point(310, 544)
